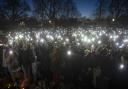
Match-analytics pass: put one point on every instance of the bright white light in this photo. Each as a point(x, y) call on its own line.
point(74, 35)
point(27, 39)
point(93, 39)
point(115, 37)
point(85, 39)
point(59, 37)
point(69, 52)
point(1, 44)
point(100, 34)
point(121, 46)
point(88, 40)
point(78, 44)
point(117, 44)
point(42, 40)
point(125, 40)
point(31, 39)
point(99, 42)
point(50, 21)
point(10, 52)
point(16, 37)
point(10, 42)
point(121, 66)
point(113, 19)
point(104, 32)
point(67, 40)
point(20, 36)
point(82, 35)
point(37, 36)
point(110, 37)
point(79, 37)
point(92, 46)
point(51, 37)
point(64, 43)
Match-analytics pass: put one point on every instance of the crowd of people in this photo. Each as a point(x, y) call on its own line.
point(54, 60)
point(80, 71)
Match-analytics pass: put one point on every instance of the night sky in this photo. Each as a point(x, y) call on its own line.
point(85, 7)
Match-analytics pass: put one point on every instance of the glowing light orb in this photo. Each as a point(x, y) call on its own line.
point(50, 21)
point(92, 46)
point(10, 52)
point(67, 40)
point(99, 42)
point(117, 44)
point(20, 36)
point(88, 41)
point(85, 39)
point(78, 44)
point(42, 40)
point(113, 19)
point(121, 66)
point(93, 39)
point(69, 52)
point(16, 37)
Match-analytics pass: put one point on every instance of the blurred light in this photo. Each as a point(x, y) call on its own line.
point(50, 21)
point(31, 39)
point(64, 43)
point(121, 66)
point(85, 39)
point(121, 46)
point(125, 40)
point(42, 40)
point(100, 34)
point(10, 52)
point(93, 39)
point(92, 46)
point(113, 19)
point(88, 40)
point(74, 35)
point(69, 52)
point(99, 42)
point(67, 40)
point(1, 44)
point(20, 36)
point(59, 37)
point(37, 36)
point(110, 37)
point(117, 44)
point(78, 44)
point(16, 37)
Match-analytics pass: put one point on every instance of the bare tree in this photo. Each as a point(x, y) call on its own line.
point(14, 9)
point(40, 7)
point(118, 8)
point(55, 9)
point(100, 10)
point(47, 9)
point(70, 10)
